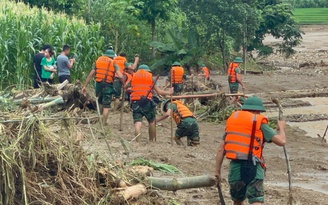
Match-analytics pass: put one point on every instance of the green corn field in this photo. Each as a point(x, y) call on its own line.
point(24, 30)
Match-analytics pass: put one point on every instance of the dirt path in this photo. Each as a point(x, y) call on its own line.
point(307, 155)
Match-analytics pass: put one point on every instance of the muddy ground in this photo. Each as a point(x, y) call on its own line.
point(308, 155)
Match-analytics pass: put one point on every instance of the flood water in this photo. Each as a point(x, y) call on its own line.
point(319, 105)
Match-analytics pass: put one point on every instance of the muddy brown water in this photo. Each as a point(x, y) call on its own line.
point(319, 105)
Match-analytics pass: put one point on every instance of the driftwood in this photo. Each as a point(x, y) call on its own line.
point(133, 192)
point(70, 93)
point(173, 184)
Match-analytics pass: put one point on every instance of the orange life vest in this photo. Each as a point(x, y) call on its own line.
point(232, 75)
point(181, 112)
point(140, 84)
point(238, 135)
point(128, 77)
point(206, 72)
point(105, 70)
point(120, 61)
point(177, 73)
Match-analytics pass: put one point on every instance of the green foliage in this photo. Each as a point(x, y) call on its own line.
point(308, 3)
point(186, 49)
point(222, 114)
point(277, 20)
point(65, 6)
point(153, 10)
point(157, 166)
point(24, 31)
point(311, 15)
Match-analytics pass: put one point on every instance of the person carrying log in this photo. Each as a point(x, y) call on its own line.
point(176, 78)
point(234, 77)
point(142, 105)
point(185, 120)
point(104, 72)
point(205, 72)
point(243, 142)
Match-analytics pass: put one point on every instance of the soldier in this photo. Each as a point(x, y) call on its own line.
point(185, 120)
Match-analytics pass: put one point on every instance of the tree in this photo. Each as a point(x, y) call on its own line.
point(185, 48)
point(66, 6)
point(222, 23)
point(277, 20)
point(151, 11)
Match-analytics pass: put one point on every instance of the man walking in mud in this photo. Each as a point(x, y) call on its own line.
point(176, 78)
point(185, 120)
point(142, 104)
point(243, 142)
point(104, 72)
point(234, 78)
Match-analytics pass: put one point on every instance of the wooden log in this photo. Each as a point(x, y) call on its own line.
point(62, 85)
point(37, 100)
point(57, 101)
point(196, 96)
point(173, 184)
point(133, 192)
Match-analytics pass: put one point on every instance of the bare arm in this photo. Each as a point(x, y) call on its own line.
point(134, 65)
point(70, 63)
point(88, 80)
point(166, 115)
point(280, 139)
point(219, 160)
point(239, 79)
point(49, 69)
point(162, 92)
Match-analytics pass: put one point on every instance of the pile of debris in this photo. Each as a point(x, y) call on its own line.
point(43, 161)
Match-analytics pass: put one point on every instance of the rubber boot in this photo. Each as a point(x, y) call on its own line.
point(152, 131)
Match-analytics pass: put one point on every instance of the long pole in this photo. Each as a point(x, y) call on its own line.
point(122, 109)
point(171, 107)
point(280, 117)
point(192, 92)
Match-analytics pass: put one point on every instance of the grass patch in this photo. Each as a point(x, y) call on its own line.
point(311, 15)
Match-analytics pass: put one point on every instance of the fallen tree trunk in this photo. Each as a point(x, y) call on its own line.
point(173, 184)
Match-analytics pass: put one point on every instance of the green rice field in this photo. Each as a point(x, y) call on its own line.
point(311, 15)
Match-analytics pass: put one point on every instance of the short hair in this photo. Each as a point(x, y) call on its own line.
point(45, 47)
point(123, 54)
point(66, 47)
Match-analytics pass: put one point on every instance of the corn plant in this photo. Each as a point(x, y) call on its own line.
point(24, 30)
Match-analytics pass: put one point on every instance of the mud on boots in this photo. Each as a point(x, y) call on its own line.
point(186, 122)
point(142, 84)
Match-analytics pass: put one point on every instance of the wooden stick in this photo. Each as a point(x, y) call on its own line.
point(192, 92)
point(171, 107)
point(280, 117)
point(324, 134)
point(196, 96)
point(122, 109)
